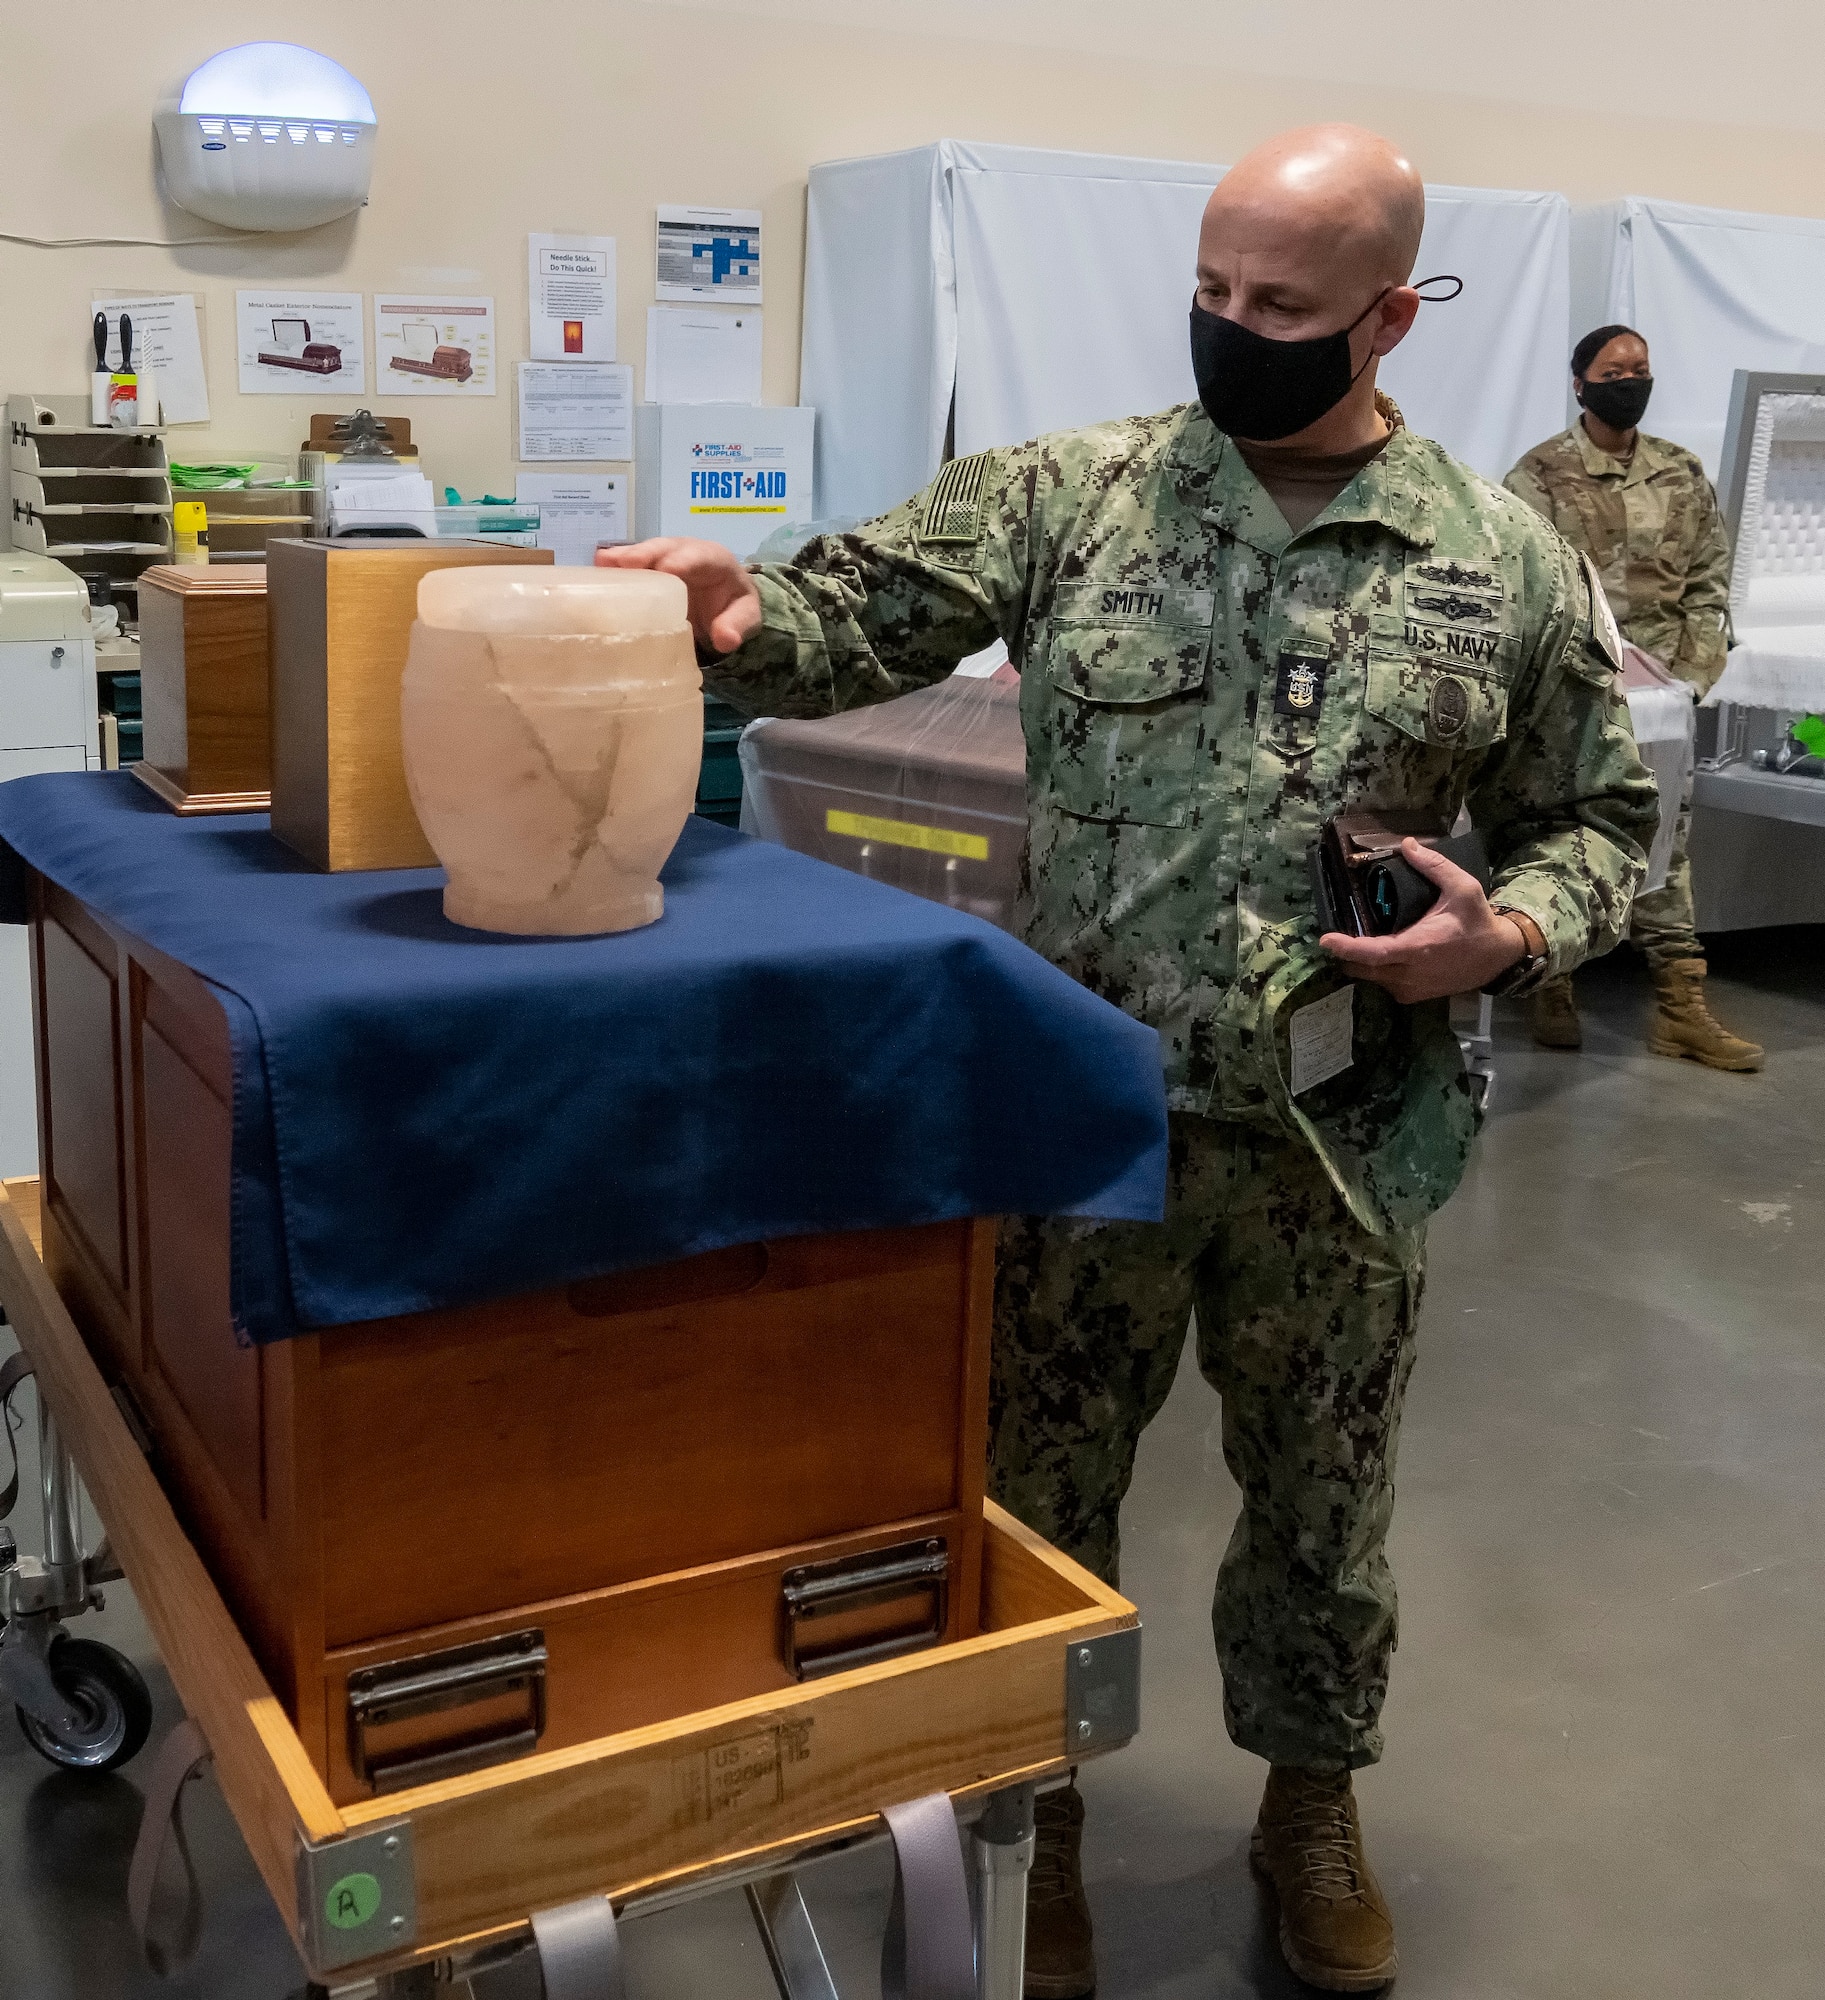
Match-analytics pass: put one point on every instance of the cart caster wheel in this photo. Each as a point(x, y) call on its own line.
point(105, 1689)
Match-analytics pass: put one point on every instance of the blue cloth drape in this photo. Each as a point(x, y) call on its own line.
point(428, 1117)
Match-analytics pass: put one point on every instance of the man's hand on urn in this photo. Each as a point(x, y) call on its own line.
point(724, 604)
point(1459, 945)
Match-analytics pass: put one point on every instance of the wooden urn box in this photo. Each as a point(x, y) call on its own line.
point(202, 662)
point(340, 615)
point(451, 1536)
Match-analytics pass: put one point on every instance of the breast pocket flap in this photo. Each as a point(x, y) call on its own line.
point(1451, 708)
point(1126, 724)
point(1128, 678)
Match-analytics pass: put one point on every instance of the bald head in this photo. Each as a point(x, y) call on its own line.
point(1333, 196)
point(1314, 232)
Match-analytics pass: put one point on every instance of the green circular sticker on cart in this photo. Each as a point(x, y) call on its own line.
point(352, 1901)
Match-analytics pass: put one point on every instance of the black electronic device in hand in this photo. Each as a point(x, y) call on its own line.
point(1363, 886)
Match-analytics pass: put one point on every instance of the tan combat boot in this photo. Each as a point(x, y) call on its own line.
point(1684, 1026)
point(1060, 1962)
point(1552, 1015)
point(1336, 1930)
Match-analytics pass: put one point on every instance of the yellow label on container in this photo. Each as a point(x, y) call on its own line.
point(903, 833)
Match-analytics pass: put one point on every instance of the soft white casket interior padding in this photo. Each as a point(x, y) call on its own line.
point(1787, 519)
point(1777, 584)
point(1778, 666)
point(1780, 537)
point(1781, 600)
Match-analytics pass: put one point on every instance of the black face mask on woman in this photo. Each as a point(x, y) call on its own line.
point(1621, 403)
point(1262, 389)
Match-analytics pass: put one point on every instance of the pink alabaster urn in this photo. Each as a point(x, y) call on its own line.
point(553, 724)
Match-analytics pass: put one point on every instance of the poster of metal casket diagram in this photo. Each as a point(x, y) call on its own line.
point(428, 346)
point(298, 343)
point(709, 253)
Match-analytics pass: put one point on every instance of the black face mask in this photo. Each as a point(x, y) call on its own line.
point(1621, 404)
point(1262, 389)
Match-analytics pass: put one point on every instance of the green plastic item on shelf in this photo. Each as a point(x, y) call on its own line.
point(210, 478)
point(1810, 730)
point(231, 479)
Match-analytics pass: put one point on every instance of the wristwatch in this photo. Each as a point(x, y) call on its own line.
point(1530, 969)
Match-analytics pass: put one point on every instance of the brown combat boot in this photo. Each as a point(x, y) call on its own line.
point(1060, 1962)
point(1684, 1026)
point(1336, 1931)
point(1552, 1015)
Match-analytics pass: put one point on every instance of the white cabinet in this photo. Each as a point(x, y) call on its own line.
point(28, 763)
point(47, 723)
point(47, 663)
point(18, 1085)
point(47, 695)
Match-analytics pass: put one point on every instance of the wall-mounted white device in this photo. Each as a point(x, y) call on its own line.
point(268, 136)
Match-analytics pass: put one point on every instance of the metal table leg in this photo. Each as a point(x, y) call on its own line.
point(1003, 1840)
point(62, 1498)
point(417, 1982)
point(1003, 1845)
point(793, 1951)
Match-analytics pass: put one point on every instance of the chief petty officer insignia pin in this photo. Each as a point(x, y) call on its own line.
point(1300, 687)
point(1450, 705)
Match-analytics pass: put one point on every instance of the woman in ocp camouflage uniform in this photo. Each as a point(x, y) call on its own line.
point(1644, 513)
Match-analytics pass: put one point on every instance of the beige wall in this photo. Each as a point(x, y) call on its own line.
point(583, 114)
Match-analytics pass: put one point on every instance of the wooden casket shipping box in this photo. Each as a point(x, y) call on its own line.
point(339, 616)
point(549, 1519)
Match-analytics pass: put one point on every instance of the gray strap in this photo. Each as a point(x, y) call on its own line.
point(579, 1950)
point(17, 1368)
point(180, 1758)
point(929, 1953)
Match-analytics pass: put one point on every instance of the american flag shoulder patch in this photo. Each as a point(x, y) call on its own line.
point(954, 506)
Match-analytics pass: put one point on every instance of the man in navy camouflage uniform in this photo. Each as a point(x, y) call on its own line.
point(1231, 621)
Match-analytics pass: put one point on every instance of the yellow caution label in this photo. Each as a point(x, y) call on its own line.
point(904, 833)
point(697, 509)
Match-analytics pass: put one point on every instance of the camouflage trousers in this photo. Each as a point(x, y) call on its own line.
point(1663, 923)
point(1305, 1329)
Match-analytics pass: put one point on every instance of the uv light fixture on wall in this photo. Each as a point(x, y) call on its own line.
point(268, 136)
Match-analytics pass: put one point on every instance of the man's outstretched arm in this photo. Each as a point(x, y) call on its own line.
point(862, 616)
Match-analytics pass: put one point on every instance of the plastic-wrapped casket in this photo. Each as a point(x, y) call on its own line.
point(927, 792)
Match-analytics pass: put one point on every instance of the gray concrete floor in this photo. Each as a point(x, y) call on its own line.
point(1605, 1745)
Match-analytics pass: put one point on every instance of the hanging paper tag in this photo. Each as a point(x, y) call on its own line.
point(1603, 620)
point(1323, 1036)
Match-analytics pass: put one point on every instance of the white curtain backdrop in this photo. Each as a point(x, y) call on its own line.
point(1058, 284)
point(1713, 290)
point(1074, 279)
point(879, 350)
